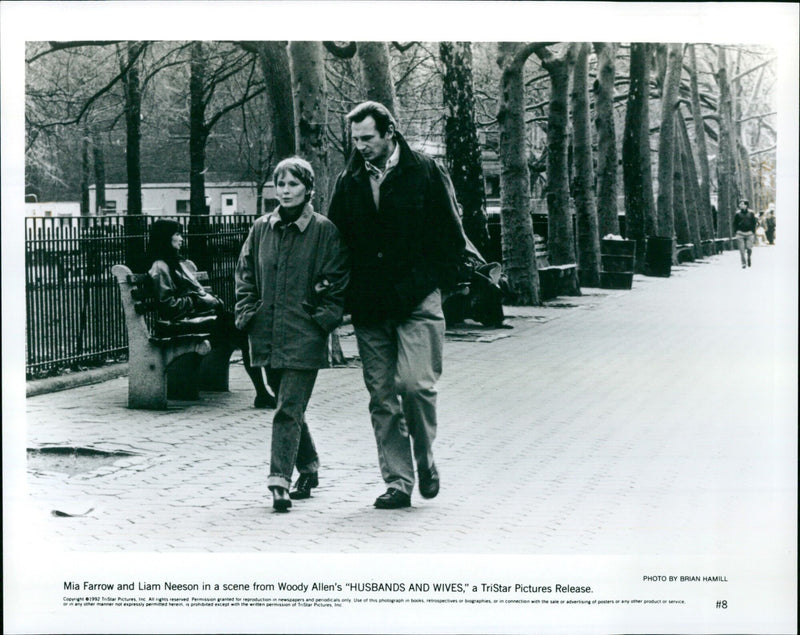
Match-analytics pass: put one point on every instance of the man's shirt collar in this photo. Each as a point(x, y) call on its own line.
point(376, 173)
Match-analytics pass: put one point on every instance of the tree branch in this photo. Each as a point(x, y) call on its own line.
point(60, 46)
point(403, 47)
point(345, 52)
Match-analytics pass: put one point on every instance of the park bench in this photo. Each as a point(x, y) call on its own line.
point(722, 244)
point(554, 280)
point(166, 366)
point(684, 253)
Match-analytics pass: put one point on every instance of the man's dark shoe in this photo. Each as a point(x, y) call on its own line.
point(428, 482)
point(393, 499)
point(303, 486)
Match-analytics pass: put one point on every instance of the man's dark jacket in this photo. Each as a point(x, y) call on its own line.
point(404, 251)
point(744, 221)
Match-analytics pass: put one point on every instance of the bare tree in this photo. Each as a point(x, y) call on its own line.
point(607, 213)
point(560, 241)
point(376, 73)
point(307, 68)
point(726, 162)
point(519, 260)
point(666, 142)
point(640, 218)
point(678, 185)
point(702, 151)
point(274, 61)
point(463, 151)
point(588, 237)
point(133, 116)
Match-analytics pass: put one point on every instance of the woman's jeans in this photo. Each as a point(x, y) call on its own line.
point(292, 444)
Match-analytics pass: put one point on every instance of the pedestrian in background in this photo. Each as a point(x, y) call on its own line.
point(180, 297)
point(406, 242)
point(744, 224)
point(290, 282)
point(769, 224)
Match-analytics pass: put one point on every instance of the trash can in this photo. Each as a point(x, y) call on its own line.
point(617, 258)
point(658, 257)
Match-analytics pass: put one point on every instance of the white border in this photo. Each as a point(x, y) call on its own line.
point(30, 568)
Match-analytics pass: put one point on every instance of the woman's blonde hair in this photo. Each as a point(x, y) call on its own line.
point(299, 168)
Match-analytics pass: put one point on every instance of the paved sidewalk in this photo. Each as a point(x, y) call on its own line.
point(644, 421)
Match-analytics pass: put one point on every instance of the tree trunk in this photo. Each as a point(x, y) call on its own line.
point(745, 180)
point(519, 260)
point(463, 151)
point(133, 110)
point(376, 73)
point(588, 238)
point(134, 224)
point(726, 161)
point(702, 152)
point(274, 60)
point(198, 137)
point(666, 143)
point(198, 134)
point(682, 233)
point(86, 170)
point(607, 213)
point(99, 160)
point(307, 67)
point(560, 240)
point(690, 191)
point(640, 220)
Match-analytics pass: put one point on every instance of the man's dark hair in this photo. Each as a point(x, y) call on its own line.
point(380, 113)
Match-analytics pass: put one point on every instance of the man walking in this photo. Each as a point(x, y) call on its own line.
point(744, 224)
point(393, 208)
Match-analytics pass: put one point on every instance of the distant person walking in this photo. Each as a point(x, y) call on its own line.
point(744, 224)
point(769, 224)
point(180, 297)
point(396, 216)
point(290, 282)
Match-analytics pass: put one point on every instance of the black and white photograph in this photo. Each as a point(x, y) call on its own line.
point(399, 317)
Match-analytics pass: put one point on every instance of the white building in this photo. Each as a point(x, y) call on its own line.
point(167, 199)
point(52, 210)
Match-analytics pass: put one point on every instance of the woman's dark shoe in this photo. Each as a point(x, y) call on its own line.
point(303, 486)
point(393, 499)
point(265, 401)
point(280, 499)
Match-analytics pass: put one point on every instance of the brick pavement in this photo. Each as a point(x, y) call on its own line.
point(649, 421)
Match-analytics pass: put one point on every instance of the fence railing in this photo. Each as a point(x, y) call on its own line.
point(73, 312)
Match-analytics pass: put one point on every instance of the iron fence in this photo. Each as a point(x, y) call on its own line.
point(74, 316)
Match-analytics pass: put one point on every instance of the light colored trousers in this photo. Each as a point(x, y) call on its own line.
point(402, 361)
point(745, 241)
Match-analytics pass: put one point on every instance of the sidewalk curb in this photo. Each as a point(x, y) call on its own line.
point(74, 380)
point(84, 378)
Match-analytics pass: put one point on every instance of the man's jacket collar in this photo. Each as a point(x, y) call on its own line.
point(407, 159)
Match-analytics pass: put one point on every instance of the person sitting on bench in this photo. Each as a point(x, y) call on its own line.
point(180, 297)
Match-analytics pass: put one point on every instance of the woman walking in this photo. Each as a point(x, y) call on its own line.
point(290, 282)
point(181, 296)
